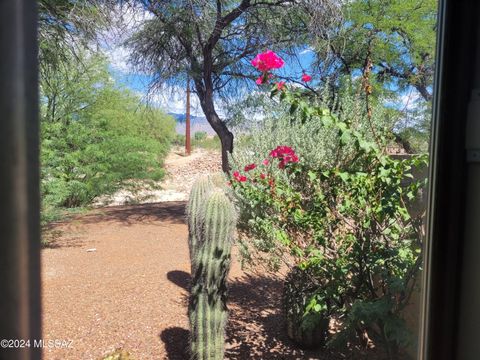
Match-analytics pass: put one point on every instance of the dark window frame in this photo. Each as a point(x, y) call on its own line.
point(20, 311)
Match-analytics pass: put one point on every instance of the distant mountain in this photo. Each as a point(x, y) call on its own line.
point(181, 118)
point(198, 123)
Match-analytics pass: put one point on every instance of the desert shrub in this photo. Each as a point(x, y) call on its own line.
point(97, 139)
point(344, 219)
point(209, 143)
point(95, 155)
point(312, 141)
point(200, 135)
point(179, 140)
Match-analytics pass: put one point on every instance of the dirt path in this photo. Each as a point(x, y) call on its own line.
point(181, 173)
point(131, 291)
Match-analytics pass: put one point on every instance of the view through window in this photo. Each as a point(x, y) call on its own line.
point(292, 224)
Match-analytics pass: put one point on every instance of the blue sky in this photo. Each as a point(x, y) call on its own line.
point(172, 99)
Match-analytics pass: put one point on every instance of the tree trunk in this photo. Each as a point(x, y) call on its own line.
point(225, 135)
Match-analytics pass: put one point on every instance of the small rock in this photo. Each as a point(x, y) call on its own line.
point(91, 250)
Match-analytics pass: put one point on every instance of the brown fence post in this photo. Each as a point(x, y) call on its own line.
point(20, 320)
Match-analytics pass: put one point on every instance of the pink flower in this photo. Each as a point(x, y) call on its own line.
point(271, 183)
point(285, 154)
point(238, 177)
point(274, 153)
point(306, 78)
point(263, 79)
point(250, 167)
point(263, 176)
point(267, 61)
point(265, 162)
point(281, 150)
point(281, 85)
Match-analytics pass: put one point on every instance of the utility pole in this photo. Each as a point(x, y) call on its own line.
point(188, 145)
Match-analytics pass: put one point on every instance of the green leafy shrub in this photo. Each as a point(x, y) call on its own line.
point(96, 138)
point(179, 140)
point(200, 135)
point(209, 143)
point(308, 330)
point(315, 143)
point(346, 221)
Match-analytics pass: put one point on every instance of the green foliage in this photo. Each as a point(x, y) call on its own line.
point(398, 37)
point(209, 143)
point(315, 143)
point(214, 229)
point(307, 328)
point(200, 135)
point(348, 222)
point(179, 140)
point(95, 137)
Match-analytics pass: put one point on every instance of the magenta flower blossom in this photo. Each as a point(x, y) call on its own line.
point(250, 167)
point(306, 78)
point(238, 177)
point(267, 61)
point(285, 154)
point(281, 85)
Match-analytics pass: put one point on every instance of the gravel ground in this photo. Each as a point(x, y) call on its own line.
point(118, 278)
point(181, 173)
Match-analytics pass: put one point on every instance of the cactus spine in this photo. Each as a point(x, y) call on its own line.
point(201, 187)
point(208, 299)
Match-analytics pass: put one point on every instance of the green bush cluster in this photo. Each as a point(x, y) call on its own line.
point(179, 140)
point(200, 135)
point(95, 137)
point(347, 222)
point(313, 142)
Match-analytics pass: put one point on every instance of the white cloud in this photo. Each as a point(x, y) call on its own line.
point(118, 58)
point(409, 101)
point(309, 49)
point(128, 20)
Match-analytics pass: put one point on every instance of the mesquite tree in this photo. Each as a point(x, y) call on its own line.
point(212, 41)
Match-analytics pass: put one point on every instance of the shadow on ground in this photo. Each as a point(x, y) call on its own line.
point(176, 342)
point(172, 212)
point(162, 214)
point(180, 278)
point(255, 327)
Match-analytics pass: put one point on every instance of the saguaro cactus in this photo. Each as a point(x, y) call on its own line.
point(208, 307)
point(201, 187)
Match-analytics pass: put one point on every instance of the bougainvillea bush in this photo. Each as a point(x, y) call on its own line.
point(257, 134)
point(348, 223)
